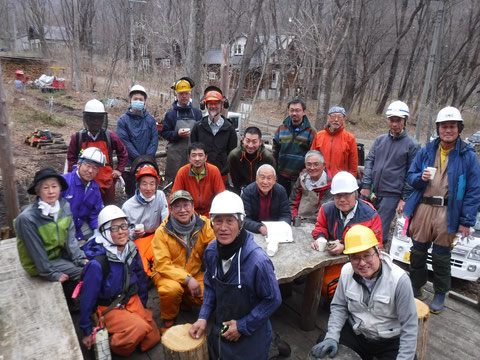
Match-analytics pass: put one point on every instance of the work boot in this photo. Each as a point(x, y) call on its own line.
point(437, 304)
point(166, 324)
point(417, 292)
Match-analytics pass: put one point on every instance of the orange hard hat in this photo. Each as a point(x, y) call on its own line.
point(147, 170)
point(214, 95)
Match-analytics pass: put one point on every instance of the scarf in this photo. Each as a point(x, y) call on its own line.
point(183, 229)
point(227, 251)
point(49, 210)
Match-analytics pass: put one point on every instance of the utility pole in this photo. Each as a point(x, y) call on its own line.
point(432, 62)
point(132, 26)
point(6, 161)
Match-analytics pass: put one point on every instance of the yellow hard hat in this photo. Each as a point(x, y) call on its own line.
point(359, 238)
point(181, 86)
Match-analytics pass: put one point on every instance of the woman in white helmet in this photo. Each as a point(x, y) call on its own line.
point(240, 286)
point(115, 285)
point(138, 131)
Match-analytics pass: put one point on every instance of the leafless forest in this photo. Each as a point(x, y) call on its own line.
point(355, 53)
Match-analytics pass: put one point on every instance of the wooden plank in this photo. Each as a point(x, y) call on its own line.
point(311, 299)
point(34, 321)
point(6, 161)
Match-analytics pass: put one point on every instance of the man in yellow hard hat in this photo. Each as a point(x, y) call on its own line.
point(373, 310)
point(177, 124)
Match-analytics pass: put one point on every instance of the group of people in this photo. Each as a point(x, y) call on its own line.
point(197, 246)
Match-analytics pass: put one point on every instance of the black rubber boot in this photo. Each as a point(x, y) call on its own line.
point(441, 270)
point(418, 264)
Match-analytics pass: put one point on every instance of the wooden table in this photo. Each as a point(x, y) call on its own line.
point(34, 318)
point(298, 258)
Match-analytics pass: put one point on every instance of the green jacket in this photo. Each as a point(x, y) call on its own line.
point(41, 240)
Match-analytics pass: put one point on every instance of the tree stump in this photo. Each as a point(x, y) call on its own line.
point(344, 353)
point(179, 345)
point(423, 313)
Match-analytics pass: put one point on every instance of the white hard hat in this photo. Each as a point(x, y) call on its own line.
point(449, 113)
point(94, 106)
point(109, 213)
point(398, 108)
point(92, 154)
point(343, 182)
point(227, 202)
point(138, 88)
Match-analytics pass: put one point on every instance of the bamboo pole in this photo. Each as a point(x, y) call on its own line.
point(6, 161)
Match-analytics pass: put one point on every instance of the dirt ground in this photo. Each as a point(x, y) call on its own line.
point(29, 110)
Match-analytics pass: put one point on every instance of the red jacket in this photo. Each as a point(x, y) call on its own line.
point(203, 192)
point(330, 226)
point(339, 150)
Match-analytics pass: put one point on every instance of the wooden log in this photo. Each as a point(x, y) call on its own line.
point(58, 141)
point(423, 313)
point(344, 353)
point(53, 146)
point(54, 151)
point(179, 345)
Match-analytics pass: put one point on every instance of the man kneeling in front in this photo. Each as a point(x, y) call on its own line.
point(373, 310)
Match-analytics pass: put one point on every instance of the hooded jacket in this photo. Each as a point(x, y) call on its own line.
point(290, 144)
point(42, 240)
point(339, 150)
point(175, 258)
point(463, 171)
point(387, 165)
point(139, 133)
point(217, 146)
point(244, 171)
point(85, 202)
point(97, 288)
point(178, 112)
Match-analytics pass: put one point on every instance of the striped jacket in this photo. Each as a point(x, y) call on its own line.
point(290, 146)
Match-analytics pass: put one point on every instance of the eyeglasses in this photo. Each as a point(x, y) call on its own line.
point(116, 228)
point(295, 111)
point(312, 165)
point(367, 258)
point(342, 195)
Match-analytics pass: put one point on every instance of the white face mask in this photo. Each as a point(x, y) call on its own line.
point(138, 105)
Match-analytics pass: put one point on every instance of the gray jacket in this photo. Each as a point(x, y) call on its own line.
point(151, 214)
point(387, 312)
point(387, 165)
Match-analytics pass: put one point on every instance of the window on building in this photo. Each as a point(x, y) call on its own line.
point(212, 75)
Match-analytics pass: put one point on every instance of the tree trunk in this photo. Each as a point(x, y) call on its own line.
point(248, 54)
point(195, 48)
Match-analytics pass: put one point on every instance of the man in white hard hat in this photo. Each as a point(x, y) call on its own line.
point(95, 134)
point(177, 124)
point(138, 131)
point(240, 287)
point(336, 217)
point(445, 176)
point(83, 192)
point(384, 181)
point(373, 310)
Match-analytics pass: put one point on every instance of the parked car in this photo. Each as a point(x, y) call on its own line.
point(465, 260)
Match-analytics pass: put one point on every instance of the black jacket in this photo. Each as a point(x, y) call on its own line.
point(217, 146)
point(279, 209)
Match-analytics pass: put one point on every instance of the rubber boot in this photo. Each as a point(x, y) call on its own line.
point(441, 269)
point(437, 304)
point(418, 264)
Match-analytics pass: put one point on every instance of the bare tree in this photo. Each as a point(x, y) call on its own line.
point(35, 12)
point(195, 46)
